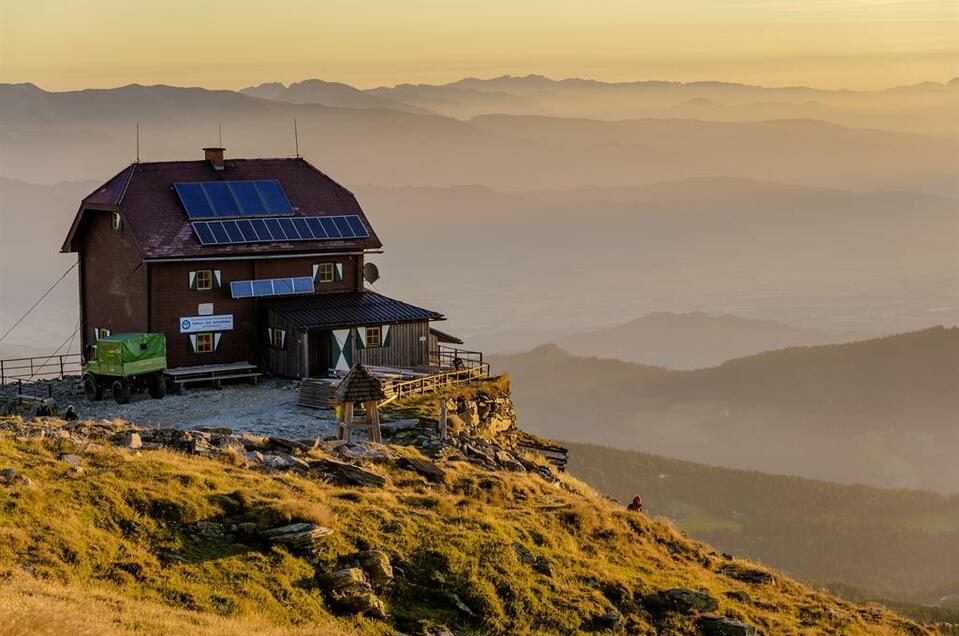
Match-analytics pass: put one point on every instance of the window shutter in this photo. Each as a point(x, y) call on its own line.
point(361, 337)
point(193, 281)
point(338, 275)
point(191, 343)
point(216, 279)
point(385, 336)
point(216, 341)
point(316, 273)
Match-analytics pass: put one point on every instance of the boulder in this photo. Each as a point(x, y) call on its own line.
point(682, 600)
point(8, 475)
point(130, 439)
point(747, 574)
point(343, 473)
point(376, 565)
point(713, 625)
point(298, 535)
point(329, 581)
point(610, 621)
point(359, 602)
point(350, 591)
point(428, 469)
point(73, 460)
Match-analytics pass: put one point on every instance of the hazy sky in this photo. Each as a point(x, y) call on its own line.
point(64, 44)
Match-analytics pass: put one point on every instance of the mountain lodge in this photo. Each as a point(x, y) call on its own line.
point(242, 260)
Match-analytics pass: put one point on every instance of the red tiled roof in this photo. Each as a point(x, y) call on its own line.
point(151, 209)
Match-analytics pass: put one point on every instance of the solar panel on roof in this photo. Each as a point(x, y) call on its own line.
point(316, 227)
point(194, 200)
point(274, 196)
point(274, 228)
point(248, 197)
point(329, 227)
point(357, 226)
point(290, 230)
point(226, 199)
point(204, 234)
point(222, 199)
point(231, 231)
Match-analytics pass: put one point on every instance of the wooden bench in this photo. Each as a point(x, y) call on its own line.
point(215, 373)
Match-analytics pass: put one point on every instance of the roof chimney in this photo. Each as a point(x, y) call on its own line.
point(214, 156)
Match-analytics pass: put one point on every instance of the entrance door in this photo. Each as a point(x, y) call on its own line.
point(319, 354)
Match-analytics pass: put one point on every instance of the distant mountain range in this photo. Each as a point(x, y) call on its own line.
point(897, 544)
point(691, 340)
point(881, 412)
point(46, 133)
point(929, 107)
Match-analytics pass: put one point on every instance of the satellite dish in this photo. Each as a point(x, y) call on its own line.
point(371, 272)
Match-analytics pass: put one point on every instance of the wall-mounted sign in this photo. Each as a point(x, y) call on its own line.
point(193, 324)
point(205, 309)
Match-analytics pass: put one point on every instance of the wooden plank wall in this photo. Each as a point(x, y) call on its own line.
point(288, 362)
point(405, 350)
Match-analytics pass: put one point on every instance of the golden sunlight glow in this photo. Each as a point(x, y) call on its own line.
point(65, 44)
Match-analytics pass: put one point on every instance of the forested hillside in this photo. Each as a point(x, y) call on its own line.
point(881, 412)
point(900, 544)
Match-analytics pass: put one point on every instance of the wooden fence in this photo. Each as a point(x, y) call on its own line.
point(435, 382)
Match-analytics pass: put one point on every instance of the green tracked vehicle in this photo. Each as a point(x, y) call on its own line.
point(126, 363)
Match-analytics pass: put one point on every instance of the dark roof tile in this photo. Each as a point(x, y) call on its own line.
point(347, 309)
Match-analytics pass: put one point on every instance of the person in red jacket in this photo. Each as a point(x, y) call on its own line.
point(637, 505)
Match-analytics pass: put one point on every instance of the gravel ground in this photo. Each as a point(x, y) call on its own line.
point(266, 408)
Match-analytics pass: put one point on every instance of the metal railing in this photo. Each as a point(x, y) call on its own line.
point(452, 358)
point(55, 367)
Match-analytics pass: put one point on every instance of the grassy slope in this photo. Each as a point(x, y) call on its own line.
point(106, 552)
point(900, 543)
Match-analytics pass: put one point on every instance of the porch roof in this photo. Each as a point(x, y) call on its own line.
point(348, 309)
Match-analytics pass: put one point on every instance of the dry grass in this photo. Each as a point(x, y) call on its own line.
point(108, 550)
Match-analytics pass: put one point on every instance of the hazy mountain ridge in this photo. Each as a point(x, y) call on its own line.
point(375, 144)
point(691, 340)
point(880, 412)
point(316, 91)
point(929, 107)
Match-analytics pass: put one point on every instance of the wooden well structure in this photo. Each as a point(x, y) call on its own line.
point(360, 387)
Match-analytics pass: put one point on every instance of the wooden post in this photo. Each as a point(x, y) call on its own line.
point(306, 354)
point(3, 379)
point(61, 367)
point(443, 416)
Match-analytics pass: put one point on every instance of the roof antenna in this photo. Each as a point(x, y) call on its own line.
point(219, 134)
point(296, 139)
point(138, 142)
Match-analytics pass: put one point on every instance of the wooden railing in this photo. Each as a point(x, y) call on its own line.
point(435, 382)
point(54, 367)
